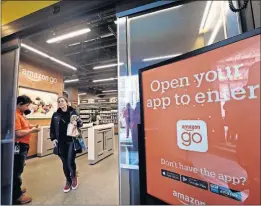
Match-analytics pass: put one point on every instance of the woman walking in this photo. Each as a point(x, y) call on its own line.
point(65, 144)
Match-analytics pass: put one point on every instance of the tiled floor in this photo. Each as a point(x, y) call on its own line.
point(44, 180)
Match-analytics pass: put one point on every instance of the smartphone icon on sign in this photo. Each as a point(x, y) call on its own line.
point(192, 135)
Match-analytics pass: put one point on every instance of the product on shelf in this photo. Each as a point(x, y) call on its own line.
point(107, 116)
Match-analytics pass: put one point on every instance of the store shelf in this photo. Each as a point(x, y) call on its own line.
point(109, 117)
point(108, 113)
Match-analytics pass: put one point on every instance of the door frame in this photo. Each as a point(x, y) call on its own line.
point(10, 46)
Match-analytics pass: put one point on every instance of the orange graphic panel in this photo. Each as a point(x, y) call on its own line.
point(202, 127)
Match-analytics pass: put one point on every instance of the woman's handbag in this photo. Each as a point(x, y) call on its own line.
point(79, 143)
point(72, 130)
point(76, 145)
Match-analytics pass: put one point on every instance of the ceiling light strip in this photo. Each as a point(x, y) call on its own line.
point(81, 94)
point(106, 35)
point(104, 80)
point(35, 50)
point(107, 66)
point(67, 36)
point(62, 63)
point(74, 44)
point(71, 80)
point(215, 32)
point(205, 16)
point(47, 56)
point(109, 91)
point(161, 57)
point(90, 40)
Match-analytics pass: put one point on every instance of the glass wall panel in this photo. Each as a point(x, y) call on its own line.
point(154, 37)
point(9, 70)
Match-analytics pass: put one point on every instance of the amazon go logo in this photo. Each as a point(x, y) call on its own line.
point(192, 135)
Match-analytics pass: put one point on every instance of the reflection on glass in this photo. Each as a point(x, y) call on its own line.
point(160, 57)
point(172, 32)
point(156, 37)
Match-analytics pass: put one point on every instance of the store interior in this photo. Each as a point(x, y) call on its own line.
point(80, 50)
point(76, 59)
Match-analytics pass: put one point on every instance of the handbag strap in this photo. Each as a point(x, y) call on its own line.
point(64, 121)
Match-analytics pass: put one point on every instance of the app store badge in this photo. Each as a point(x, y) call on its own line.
point(192, 135)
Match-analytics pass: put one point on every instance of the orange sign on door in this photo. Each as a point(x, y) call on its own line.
point(202, 127)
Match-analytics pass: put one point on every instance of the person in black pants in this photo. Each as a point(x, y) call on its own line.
point(64, 143)
point(23, 131)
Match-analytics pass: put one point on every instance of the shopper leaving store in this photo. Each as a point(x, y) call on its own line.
point(23, 131)
point(128, 115)
point(134, 127)
point(65, 144)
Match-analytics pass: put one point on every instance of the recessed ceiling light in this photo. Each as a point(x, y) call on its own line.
point(69, 35)
point(47, 56)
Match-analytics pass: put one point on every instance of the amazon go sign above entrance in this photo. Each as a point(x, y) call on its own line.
point(36, 77)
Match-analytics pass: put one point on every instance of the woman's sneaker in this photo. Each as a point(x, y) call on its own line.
point(24, 199)
point(74, 182)
point(23, 189)
point(67, 187)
